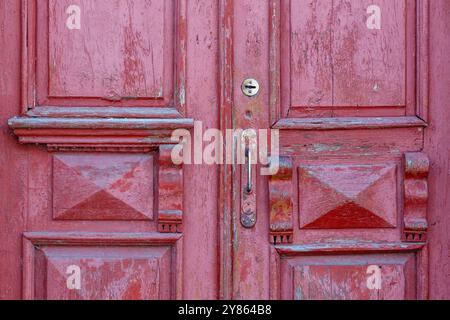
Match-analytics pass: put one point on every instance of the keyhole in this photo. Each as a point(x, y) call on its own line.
point(250, 87)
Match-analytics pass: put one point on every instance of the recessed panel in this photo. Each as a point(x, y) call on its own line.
point(354, 277)
point(119, 50)
point(348, 53)
point(103, 186)
point(103, 273)
point(347, 196)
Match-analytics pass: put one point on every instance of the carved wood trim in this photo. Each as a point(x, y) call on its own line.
point(281, 203)
point(416, 197)
point(96, 132)
point(170, 193)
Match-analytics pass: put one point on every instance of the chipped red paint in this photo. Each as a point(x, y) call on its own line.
point(280, 203)
point(226, 182)
point(86, 176)
point(170, 193)
point(348, 196)
point(415, 221)
point(95, 186)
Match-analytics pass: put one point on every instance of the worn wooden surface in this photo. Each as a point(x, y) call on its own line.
point(350, 103)
point(436, 147)
point(346, 108)
point(91, 186)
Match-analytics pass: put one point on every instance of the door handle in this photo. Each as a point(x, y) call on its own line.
point(248, 159)
point(248, 192)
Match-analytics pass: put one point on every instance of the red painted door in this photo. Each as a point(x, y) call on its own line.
point(346, 84)
point(93, 207)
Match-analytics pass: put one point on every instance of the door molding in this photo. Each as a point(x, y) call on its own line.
point(227, 198)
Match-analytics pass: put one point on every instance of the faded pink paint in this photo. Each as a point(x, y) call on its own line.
point(124, 52)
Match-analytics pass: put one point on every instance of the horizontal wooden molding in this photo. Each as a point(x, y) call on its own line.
point(96, 123)
point(344, 123)
point(350, 247)
point(96, 132)
point(98, 238)
point(104, 112)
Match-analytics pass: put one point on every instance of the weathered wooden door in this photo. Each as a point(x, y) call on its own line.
point(92, 205)
point(345, 83)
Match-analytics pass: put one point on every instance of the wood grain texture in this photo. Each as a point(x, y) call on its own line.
point(436, 142)
point(226, 184)
point(250, 59)
point(14, 159)
point(201, 216)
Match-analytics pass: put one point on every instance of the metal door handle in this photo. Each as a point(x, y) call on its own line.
point(248, 157)
point(248, 193)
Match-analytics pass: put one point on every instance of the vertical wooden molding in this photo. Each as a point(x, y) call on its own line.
point(28, 277)
point(28, 51)
point(416, 197)
point(422, 274)
point(170, 193)
point(181, 52)
point(178, 267)
point(275, 280)
point(423, 58)
point(226, 181)
point(274, 61)
point(281, 203)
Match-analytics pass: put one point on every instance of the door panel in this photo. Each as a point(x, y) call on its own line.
point(103, 88)
point(343, 83)
point(335, 62)
point(346, 277)
point(98, 53)
point(94, 266)
point(347, 58)
point(121, 58)
point(347, 196)
point(94, 186)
